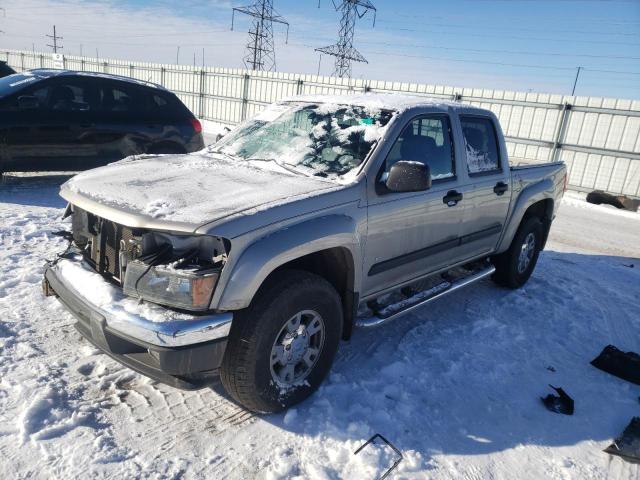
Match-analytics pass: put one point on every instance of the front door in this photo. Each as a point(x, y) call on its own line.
point(411, 234)
point(53, 133)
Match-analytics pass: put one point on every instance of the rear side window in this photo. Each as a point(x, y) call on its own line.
point(481, 144)
point(119, 97)
point(162, 105)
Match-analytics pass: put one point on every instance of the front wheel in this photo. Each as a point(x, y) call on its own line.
point(281, 348)
point(515, 266)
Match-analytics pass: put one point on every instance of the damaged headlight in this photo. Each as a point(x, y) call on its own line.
point(178, 288)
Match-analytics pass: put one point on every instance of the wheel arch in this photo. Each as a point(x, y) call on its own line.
point(327, 246)
point(536, 200)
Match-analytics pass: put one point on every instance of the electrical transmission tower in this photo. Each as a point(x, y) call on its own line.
point(344, 51)
point(55, 39)
point(261, 54)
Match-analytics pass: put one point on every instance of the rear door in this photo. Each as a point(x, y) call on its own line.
point(411, 234)
point(487, 195)
point(122, 128)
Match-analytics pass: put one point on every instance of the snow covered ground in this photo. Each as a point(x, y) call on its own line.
point(455, 386)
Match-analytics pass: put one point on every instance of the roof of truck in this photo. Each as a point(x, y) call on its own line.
point(387, 101)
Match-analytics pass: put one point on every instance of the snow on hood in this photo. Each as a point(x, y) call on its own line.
point(191, 189)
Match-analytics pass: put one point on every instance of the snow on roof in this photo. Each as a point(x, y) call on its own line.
point(386, 101)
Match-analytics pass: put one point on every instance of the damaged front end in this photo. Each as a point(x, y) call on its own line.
point(177, 271)
point(144, 297)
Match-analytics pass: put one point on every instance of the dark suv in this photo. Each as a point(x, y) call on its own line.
point(52, 120)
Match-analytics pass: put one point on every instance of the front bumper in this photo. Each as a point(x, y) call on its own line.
point(184, 351)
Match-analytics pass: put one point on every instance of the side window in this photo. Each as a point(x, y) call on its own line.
point(70, 96)
point(426, 139)
point(41, 93)
point(119, 97)
point(159, 105)
point(481, 144)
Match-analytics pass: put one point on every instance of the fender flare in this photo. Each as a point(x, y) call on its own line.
point(268, 253)
point(543, 190)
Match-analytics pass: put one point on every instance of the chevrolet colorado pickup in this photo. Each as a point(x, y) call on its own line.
point(251, 259)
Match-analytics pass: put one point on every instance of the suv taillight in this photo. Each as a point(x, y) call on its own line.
point(197, 126)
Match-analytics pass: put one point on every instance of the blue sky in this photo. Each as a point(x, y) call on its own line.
point(515, 45)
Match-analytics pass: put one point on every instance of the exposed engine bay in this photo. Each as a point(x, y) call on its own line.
point(178, 271)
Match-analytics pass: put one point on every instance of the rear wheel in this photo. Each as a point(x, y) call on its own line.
point(281, 348)
point(515, 266)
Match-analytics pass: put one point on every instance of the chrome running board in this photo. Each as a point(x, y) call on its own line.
point(376, 320)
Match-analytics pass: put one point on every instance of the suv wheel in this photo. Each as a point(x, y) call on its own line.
point(515, 266)
point(281, 348)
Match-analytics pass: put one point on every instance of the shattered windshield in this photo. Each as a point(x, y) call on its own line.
point(325, 140)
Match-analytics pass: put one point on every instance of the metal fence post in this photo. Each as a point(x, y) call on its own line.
point(162, 70)
point(245, 97)
point(561, 132)
point(299, 86)
point(201, 108)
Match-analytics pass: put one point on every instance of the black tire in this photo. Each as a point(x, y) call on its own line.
point(509, 272)
point(246, 370)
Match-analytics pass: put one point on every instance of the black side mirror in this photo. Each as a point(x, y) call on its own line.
point(407, 176)
point(27, 102)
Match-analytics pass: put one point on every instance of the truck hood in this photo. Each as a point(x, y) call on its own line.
point(182, 192)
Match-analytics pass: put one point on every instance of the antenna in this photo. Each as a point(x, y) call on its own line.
point(261, 54)
point(55, 39)
point(344, 51)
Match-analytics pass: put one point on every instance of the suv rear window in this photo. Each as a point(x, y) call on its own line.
point(481, 144)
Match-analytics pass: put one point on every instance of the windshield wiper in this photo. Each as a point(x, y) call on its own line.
point(286, 166)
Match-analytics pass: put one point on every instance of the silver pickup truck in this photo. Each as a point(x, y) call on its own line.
point(251, 259)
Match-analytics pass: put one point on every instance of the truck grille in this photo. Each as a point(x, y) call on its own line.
point(102, 241)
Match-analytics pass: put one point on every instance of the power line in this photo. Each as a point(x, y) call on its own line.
point(55, 39)
point(344, 50)
point(501, 52)
point(518, 29)
point(517, 37)
point(261, 54)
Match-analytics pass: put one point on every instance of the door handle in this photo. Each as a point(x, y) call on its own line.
point(500, 188)
point(452, 198)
